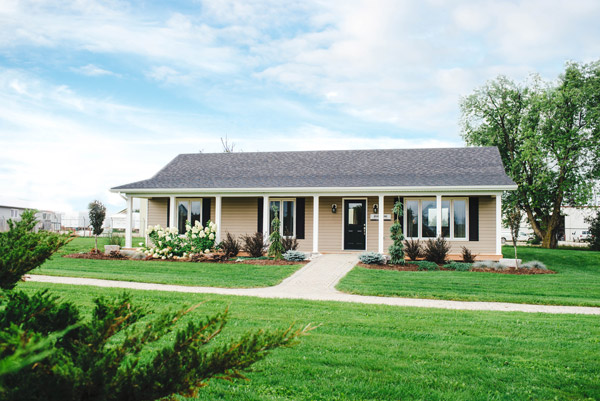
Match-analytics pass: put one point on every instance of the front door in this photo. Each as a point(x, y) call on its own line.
point(355, 224)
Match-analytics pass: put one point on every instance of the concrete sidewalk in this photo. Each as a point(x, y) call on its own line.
point(316, 281)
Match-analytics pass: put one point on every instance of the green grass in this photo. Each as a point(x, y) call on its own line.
point(183, 273)
point(577, 281)
point(377, 352)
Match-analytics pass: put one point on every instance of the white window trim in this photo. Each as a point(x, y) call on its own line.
point(280, 211)
point(189, 209)
point(366, 223)
point(450, 217)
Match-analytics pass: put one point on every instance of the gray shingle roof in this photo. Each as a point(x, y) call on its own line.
point(473, 166)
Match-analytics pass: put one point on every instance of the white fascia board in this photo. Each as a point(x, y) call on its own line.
point(322, 191)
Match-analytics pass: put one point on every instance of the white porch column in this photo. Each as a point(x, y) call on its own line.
point(499, 224)
point(172, 212)
point(266, 217)
point(218, 217)
point(438, 219)
point(316, 224)
point(128, 233)
point(381, 210)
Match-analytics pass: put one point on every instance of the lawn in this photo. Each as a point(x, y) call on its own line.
point(183, 273)
point(376, 352)
point(577, 281)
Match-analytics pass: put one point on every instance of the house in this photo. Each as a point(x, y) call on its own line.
point(118, 221)
point(334, 201)
point(47, 219)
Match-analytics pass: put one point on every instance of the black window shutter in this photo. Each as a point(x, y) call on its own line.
point(205, 211)
point(168, 212)
point(300, 213)
point(473, 218)
point(259, 223)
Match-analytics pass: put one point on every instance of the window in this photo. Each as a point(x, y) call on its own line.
point(286, 211)
point(14, 213)
point(188, 210)
point(421, 218)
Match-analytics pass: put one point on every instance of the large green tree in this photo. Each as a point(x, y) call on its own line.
point(548, 135)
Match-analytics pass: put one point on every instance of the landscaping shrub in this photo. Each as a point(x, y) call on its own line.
point(230, 246)
point(289, 243)
point(467, 255)
point(254, 244)
point(371, 258)
point(458, 266)
point(275, 247)
point(50, 350)
point(294, 256)
point(396, 251)
point(168, 243)
point(436, 250)
point(425, 265)
point(113, 239)
point(412, 249)
point(534, 264)
point(488, 264)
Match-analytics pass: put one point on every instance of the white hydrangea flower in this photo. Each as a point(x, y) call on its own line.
point(207, 230)
point(211, 236)
point(207, 251)
point(202, 234)
point(164, 258)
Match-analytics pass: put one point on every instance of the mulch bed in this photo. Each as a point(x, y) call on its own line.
point(413, 268)
point(118, 256)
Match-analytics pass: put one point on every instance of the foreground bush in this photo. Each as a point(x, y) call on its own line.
point(372, 258)
point(458, 266)
point(230, 246)
point(49, 351)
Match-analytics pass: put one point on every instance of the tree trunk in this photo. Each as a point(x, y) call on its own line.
point(549, 241)
point(96, 239)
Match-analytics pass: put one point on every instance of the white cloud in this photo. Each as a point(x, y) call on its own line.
point(93, 71)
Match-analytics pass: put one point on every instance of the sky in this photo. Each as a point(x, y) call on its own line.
point(95, 94)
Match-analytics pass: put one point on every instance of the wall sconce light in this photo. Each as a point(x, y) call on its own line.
point(333, 208)
point(375, 208)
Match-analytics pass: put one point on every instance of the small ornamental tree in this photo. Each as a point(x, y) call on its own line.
point(397, 247)
point(97, 216)
point(594, 223)
point(276, 248)
point(50, 350)
point(512, 219)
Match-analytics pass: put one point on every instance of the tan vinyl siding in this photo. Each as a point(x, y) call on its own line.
point(157, 212)
point(330, 224)
point(306, 244)
point(239, 216)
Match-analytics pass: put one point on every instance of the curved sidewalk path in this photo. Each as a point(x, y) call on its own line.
point(316, 281)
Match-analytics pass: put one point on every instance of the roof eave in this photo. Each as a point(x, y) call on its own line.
point(317, 190)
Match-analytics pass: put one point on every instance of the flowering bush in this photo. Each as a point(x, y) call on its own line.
point(168, 243)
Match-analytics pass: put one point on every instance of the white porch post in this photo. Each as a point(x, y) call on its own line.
point(438, 225)
point(381, 210)
point(315, 224)
point(499, 224)
point(172, 212)
point(128, 233)
point(266, 217)
point(218, 217)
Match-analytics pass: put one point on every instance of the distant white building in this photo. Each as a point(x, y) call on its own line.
point(47, 219)
point(575, 225)
point(118, 221)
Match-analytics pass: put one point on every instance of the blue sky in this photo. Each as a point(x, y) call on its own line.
point(95, 94)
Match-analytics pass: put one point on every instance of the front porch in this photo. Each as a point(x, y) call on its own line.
point(331, 222)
